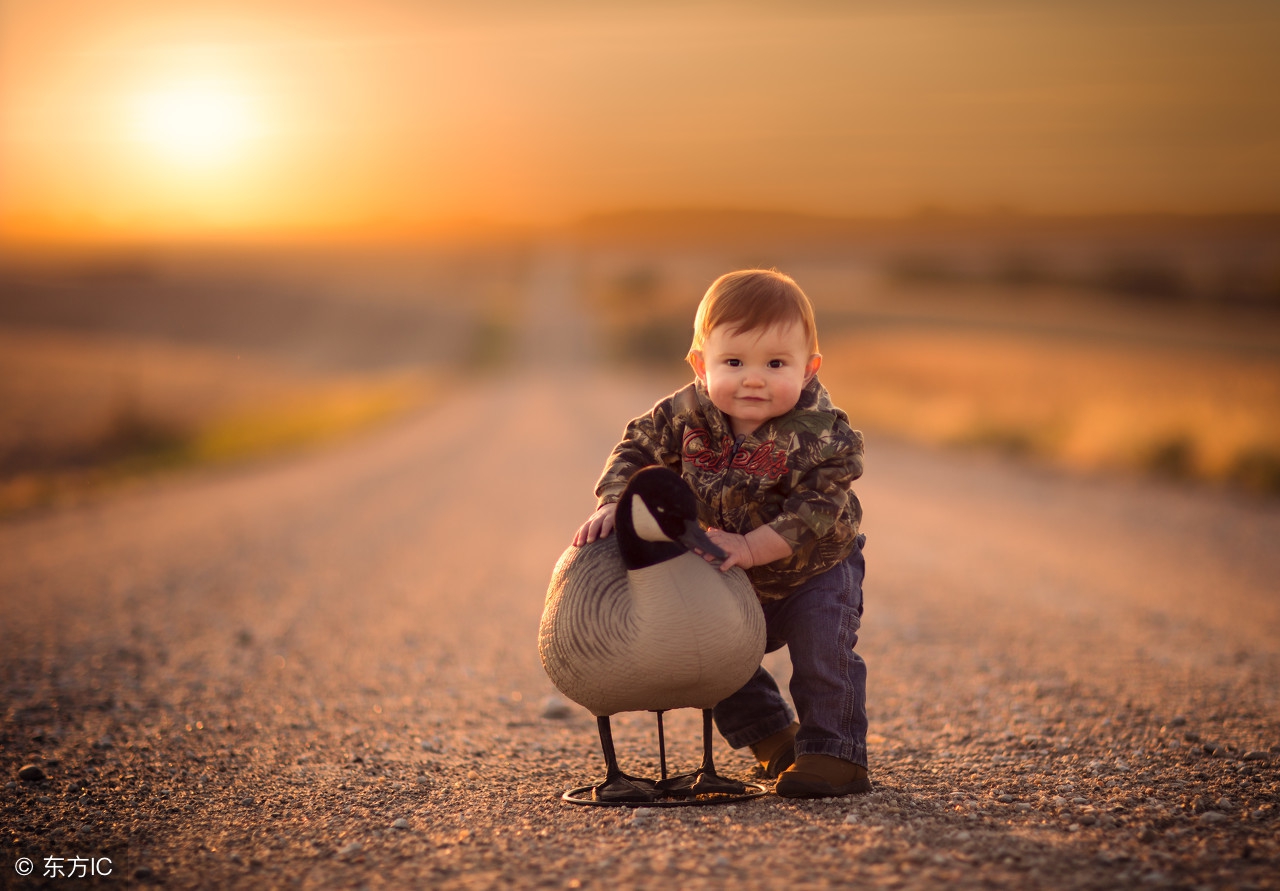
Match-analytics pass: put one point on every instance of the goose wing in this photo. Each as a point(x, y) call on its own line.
point(588, 626)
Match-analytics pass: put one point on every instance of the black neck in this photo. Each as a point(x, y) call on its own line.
point(636, 552)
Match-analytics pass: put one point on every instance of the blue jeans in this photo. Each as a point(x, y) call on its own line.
point(819, 623)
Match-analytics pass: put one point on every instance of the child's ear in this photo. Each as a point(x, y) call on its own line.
point(812, 366)
point(699, 363)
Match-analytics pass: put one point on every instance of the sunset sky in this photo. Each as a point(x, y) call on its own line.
point(143, 119)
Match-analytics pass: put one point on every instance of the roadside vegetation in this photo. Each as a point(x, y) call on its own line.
point(114, 369)
point(1171, 412)
point(84, 413)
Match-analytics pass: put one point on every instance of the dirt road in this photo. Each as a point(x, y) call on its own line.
point(324, 673)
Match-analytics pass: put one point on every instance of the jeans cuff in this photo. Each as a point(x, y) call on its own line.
point(753, 733)
point(846, 751)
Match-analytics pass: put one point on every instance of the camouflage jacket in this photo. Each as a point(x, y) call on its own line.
point(793, 473)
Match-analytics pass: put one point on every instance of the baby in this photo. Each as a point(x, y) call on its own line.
point(771, 460)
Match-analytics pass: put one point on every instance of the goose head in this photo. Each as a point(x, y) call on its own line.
point(657, 519)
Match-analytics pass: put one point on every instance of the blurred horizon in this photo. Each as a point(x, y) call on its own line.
point(275, 120)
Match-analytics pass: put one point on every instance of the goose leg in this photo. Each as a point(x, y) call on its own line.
point(618, 786)
point(704, 780)
point(662, 746)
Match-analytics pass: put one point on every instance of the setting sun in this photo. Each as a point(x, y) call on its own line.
point(196, 123)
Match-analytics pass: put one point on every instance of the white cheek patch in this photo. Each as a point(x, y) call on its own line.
point(645, 524)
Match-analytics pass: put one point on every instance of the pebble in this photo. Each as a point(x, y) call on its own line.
point(556, 709)
point(401, 823)
point(1256, 755)
point(1212, 817)
point(851, 818)
point(350, 849)
point(31, 773)
point(642, 815)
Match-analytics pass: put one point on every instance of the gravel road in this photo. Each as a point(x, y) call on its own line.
point(323, 673)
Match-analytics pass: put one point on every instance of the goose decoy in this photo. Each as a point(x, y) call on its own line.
point(638, 622)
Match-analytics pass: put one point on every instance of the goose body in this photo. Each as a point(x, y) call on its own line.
point(636, 621)
point(678, 634)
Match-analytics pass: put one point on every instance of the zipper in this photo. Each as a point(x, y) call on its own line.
point(737, 444)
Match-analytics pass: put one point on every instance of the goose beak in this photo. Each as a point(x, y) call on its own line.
point(695, 539)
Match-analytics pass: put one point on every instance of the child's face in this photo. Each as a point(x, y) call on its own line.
point(755, 375)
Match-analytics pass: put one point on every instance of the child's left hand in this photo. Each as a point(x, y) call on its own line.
point(758, 546)
point(736, 548)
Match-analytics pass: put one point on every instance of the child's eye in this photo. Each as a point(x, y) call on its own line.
point(733, 363)
point(776, 363)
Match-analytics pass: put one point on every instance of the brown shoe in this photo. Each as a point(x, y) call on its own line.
point(777, 751)
point(822, 776)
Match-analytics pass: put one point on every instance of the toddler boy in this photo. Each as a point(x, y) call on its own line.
point(771, 460)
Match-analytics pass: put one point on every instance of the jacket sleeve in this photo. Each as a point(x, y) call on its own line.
point(820, 499)
point(649, 439)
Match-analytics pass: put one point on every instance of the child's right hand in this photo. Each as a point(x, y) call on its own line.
point(599, 525)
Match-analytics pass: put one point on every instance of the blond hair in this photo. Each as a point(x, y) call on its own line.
point(750, 299)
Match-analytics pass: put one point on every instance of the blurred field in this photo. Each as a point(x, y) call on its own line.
point(1177, 412)
point(1034, 344)
point(79, 412)
point(114, 370)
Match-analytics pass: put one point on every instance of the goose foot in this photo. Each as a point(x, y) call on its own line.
point(704, 780)
point(624, 788)
point(618, 786)
point(700, 782)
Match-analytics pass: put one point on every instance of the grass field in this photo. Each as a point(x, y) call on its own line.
point(112, 369)
point(80, 412)
point(1172, 411)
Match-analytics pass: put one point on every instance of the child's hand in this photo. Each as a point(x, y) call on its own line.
point(599, 525)
point(736, 547)
point(759, 546)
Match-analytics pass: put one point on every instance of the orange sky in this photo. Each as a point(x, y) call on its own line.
point(136, 118)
